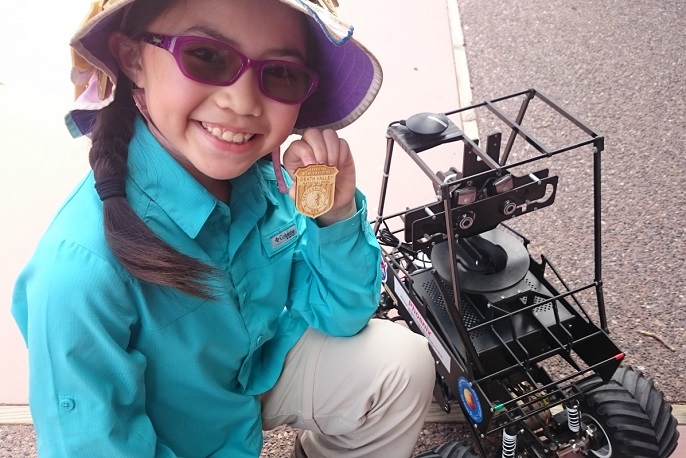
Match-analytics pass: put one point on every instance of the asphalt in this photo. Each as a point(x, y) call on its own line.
point(621, 68)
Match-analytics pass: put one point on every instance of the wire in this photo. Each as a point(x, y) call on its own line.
point(480, 193)
point(417, 259)
point(387, 238)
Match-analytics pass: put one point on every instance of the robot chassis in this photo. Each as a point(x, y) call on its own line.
point(494, 316)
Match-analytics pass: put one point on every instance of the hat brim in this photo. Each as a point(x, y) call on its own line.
point(349, 75)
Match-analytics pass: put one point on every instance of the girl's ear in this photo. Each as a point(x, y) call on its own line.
point(127, 54)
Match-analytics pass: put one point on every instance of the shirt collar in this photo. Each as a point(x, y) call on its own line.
point(167, 183)
point(179, 195)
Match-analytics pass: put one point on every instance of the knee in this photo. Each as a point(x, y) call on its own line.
point(406, 358)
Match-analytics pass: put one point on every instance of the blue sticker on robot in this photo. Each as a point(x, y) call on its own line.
point(470, 400)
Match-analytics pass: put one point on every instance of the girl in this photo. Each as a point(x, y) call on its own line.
point(179, 304)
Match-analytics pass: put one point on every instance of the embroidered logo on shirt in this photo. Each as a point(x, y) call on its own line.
point(283, 237)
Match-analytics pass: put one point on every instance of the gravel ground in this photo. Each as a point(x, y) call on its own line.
point(19, 441)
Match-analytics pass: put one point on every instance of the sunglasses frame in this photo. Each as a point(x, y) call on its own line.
point(173, 44)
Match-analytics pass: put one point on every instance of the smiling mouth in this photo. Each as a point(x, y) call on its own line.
point(227, 135)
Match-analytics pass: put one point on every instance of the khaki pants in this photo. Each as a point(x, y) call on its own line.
point(360, 396)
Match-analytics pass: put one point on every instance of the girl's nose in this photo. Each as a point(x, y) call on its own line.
point(244, 96)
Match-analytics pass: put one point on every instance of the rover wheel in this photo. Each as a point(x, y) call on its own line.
point(653, 403)
point(454, 449)
point(629, 417)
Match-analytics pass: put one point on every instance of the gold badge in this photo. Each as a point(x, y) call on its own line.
point(315, 186)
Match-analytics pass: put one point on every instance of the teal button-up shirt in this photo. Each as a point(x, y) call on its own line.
point(121, 368)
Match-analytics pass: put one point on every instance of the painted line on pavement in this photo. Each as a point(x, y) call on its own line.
point(464, 84)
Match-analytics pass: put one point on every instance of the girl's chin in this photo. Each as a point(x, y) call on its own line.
point(221, 171)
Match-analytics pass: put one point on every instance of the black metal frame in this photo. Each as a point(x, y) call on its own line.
point(510, 382)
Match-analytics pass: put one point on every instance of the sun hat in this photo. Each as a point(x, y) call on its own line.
point(350, 76)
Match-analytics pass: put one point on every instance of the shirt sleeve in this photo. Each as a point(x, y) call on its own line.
point(336, 278)
point(87, 392)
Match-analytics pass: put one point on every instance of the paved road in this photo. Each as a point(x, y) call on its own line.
point(619, 66)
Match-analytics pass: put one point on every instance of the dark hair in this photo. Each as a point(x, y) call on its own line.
point(145, 255)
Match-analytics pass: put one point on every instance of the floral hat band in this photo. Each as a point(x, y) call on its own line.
point(350, 76)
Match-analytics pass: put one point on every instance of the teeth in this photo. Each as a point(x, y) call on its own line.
point(227, 135)
point(231, 137)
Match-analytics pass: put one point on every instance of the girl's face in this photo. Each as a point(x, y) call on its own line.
point(220, 131)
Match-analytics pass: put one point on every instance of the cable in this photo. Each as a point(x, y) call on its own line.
point(387, 238)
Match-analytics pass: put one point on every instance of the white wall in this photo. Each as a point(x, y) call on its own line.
point(41, 162)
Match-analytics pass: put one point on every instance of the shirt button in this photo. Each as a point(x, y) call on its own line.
point(66, 404)
point(260, 339)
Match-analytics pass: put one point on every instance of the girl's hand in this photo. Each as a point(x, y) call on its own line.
point(324, 147)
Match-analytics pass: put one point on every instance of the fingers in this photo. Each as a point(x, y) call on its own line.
point(318, 147)
point(325, 147)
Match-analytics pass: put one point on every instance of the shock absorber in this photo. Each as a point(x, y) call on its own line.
point(573, 417)
point(509, 442)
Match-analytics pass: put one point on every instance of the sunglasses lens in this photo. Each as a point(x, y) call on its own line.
point(212, 62)
point(286, 83)
point(209, 62)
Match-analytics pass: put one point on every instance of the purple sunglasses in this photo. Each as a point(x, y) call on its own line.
point(210, 61)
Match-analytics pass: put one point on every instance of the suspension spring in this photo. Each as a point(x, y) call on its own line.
point(509, 442)
point(573, 418)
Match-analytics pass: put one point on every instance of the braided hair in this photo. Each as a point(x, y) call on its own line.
point(145, 255)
